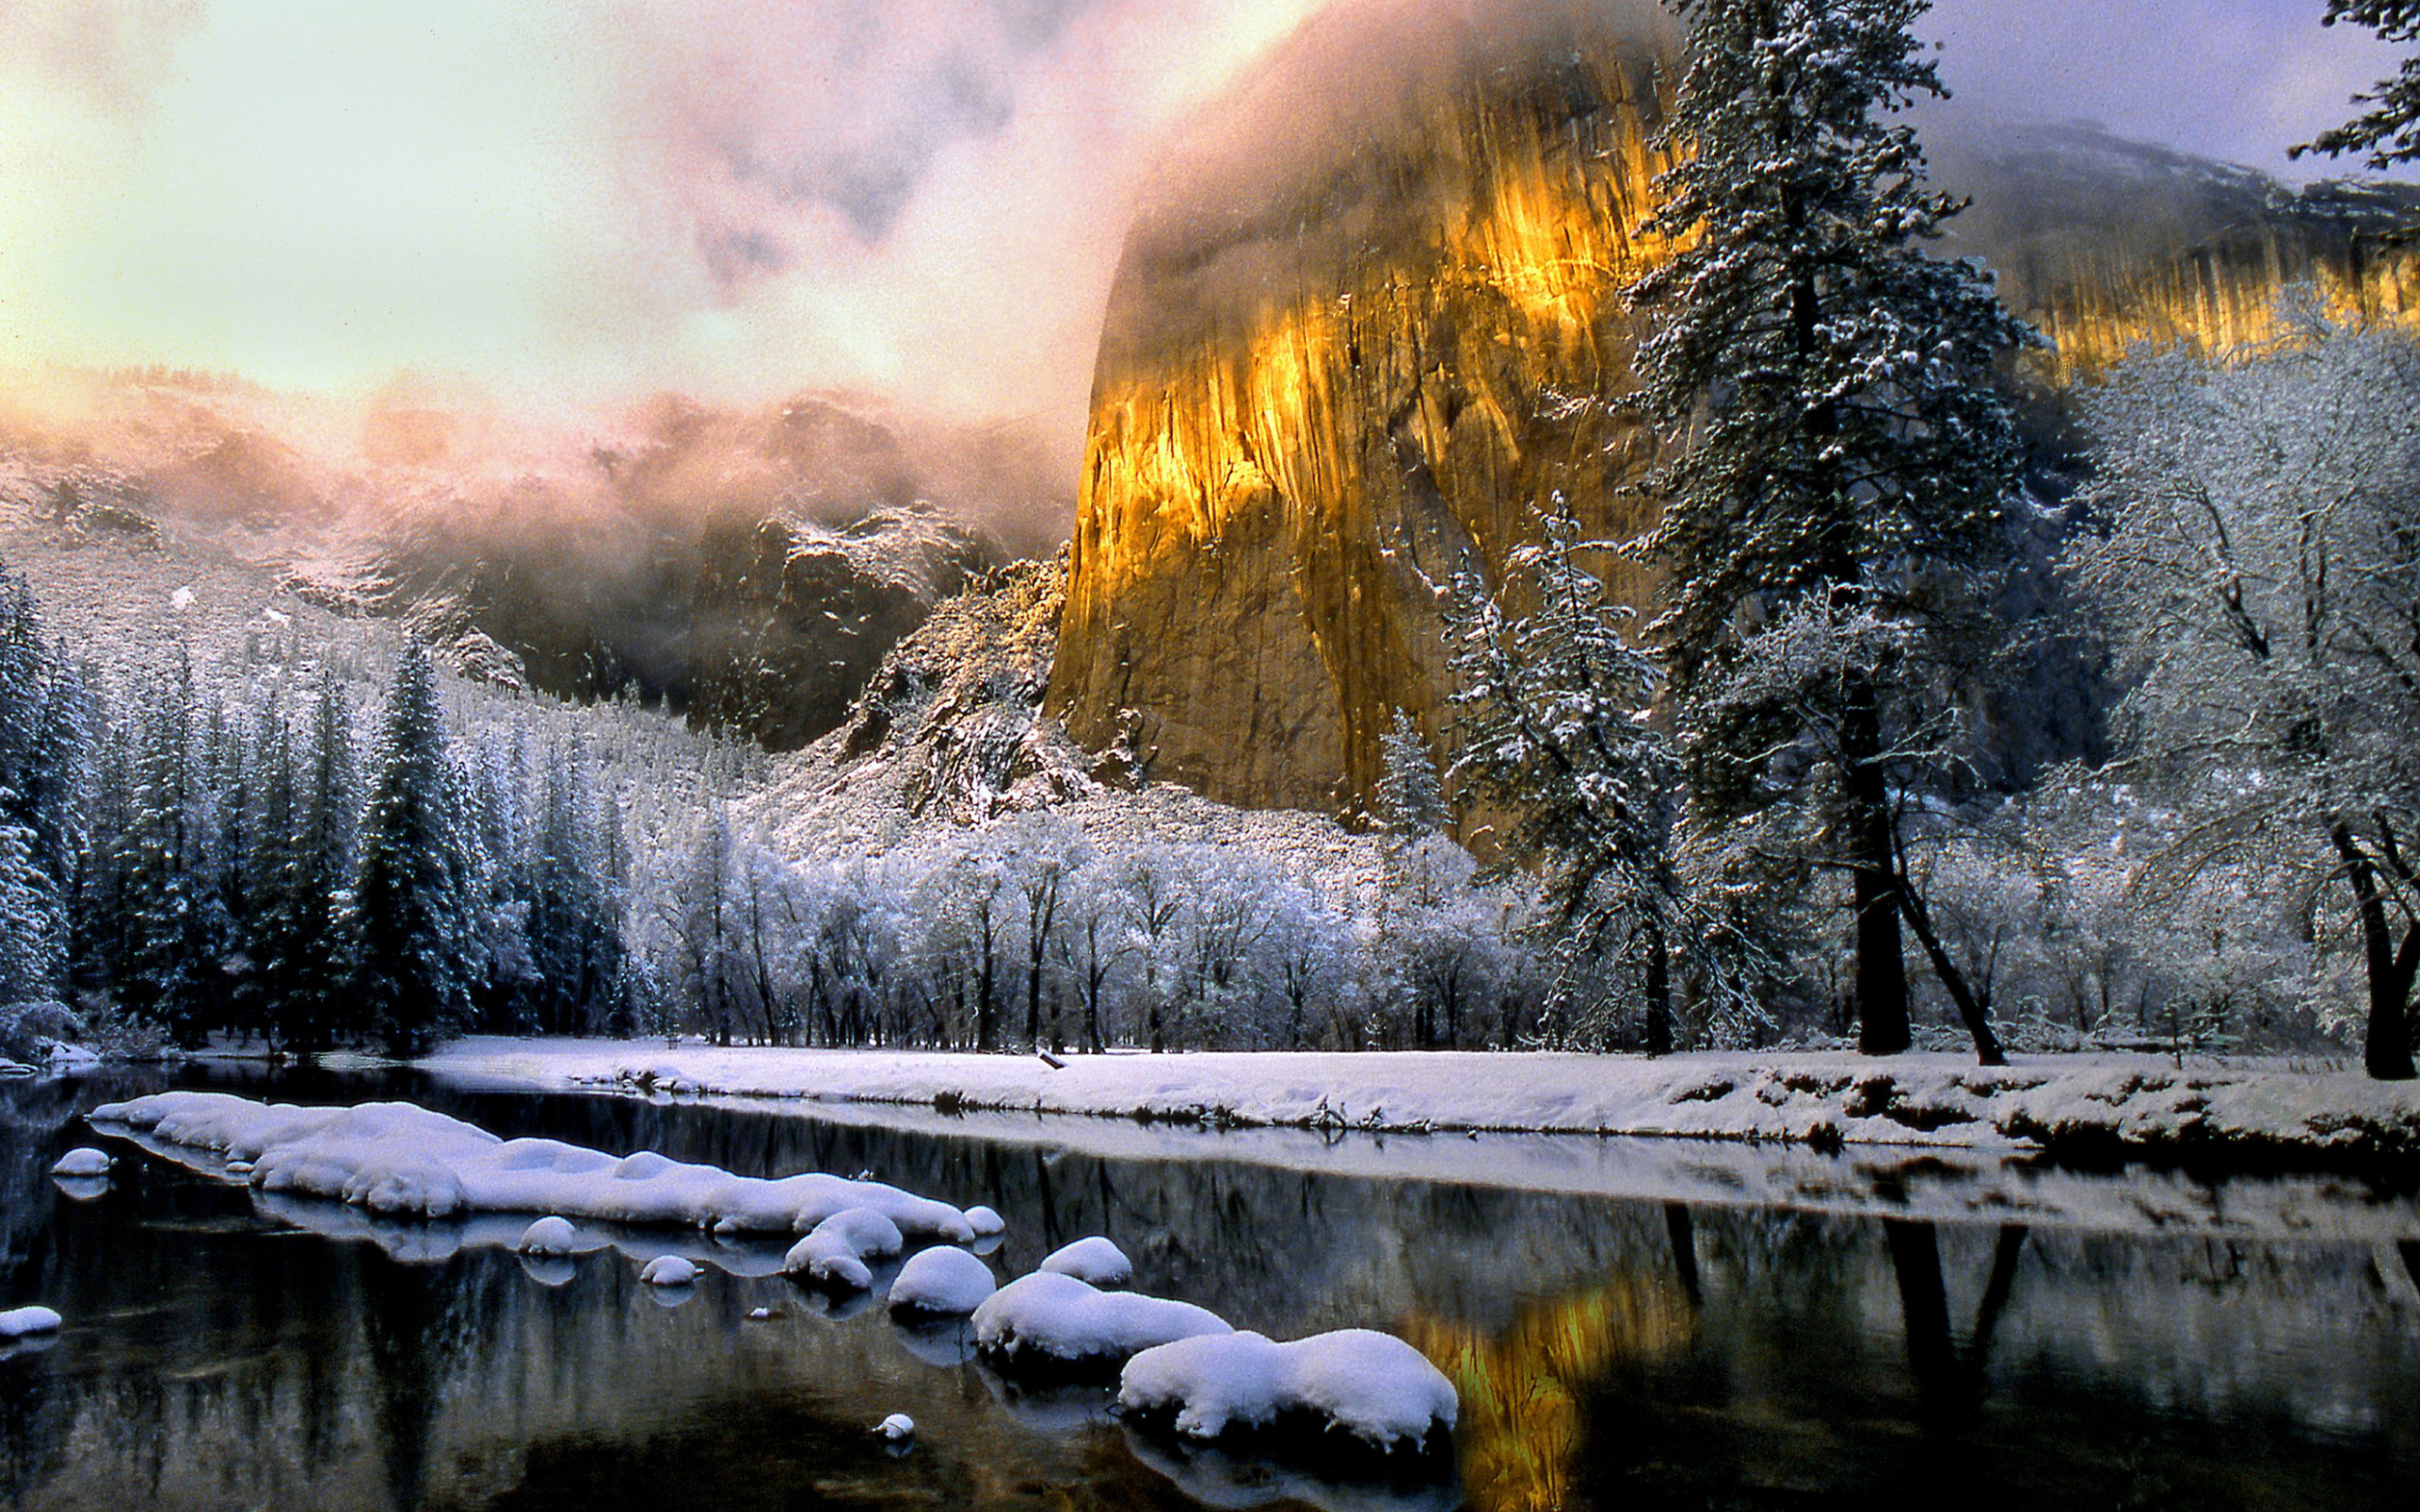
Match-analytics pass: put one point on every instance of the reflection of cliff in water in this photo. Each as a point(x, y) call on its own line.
point(1610, 1352)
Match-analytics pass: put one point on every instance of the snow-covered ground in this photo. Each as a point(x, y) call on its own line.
point(2093, 1105)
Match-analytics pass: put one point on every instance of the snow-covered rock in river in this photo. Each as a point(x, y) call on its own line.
point(1050, 1319)
point(401, 1160)
point(835, 1252)
point(942, 1281)
point(1371, 1387)
point(17, 1322)
point(84, 1161)
point(668, 1270)
point(1094, 1261)
point(985, 1222)
point(549, 1236)
point(896, 1428)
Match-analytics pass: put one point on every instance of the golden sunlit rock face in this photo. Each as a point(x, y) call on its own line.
point(1371, 320)
point(1309, 409)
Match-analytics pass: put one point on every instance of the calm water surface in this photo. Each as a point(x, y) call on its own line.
point(1611, 1354)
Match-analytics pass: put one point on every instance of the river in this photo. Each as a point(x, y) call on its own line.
point(1643, 1348)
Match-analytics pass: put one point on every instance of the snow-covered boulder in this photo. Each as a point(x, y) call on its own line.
point(1047, 1319)
point(19, 1322)
point(549, 1236)
point(986, 1223)
point(942, 1281)
point(835, 1252)
point(1369, 1386)
point(668, 1270)
point(83, 1161)
point(1094, 1261)
point(897, 1428)
point(405, 1161)
point(866, 1229)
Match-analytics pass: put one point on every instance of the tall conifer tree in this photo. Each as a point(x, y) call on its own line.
point(414, 920)
point(1841, 452)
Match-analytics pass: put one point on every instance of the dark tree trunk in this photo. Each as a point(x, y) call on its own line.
point(986, 1012)
point(1658, 988)
point(1972, 1010)
point(2386, 1051)
point(1881, 972)
point(1033, 1003)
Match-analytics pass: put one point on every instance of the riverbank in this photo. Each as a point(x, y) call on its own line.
point(2077, 1107)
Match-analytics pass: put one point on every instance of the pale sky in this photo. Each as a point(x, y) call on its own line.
point(739, 197)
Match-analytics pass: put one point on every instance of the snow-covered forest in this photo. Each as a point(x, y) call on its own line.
point(299, 838)
point(307, 842)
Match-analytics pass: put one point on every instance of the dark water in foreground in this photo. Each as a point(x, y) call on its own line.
point(1611, 1354)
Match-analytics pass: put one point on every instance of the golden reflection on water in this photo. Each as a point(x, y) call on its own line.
point(1521, 1390)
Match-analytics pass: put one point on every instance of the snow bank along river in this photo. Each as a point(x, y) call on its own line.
point(2091, 1105)
point(1682, 1324)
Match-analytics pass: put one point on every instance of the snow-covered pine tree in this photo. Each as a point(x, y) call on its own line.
point(1409, 801)
point(162, 969)
point(1554, 730)
point(575, 923)
point(415, 919)
point(223, 832)
point(495, 832)
point(98, 936)
point(2388, 130)
point(58, 779)
point(268, 925)
point(280, 905)
point(1838, 443)
point(316, 1003)
point(42, 727)
point(24, 680)
point(33, 927)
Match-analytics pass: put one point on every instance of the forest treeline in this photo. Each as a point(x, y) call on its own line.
point(270, 847)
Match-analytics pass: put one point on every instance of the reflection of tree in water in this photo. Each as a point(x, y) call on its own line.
point(1854, 1363)
point(424, 1326)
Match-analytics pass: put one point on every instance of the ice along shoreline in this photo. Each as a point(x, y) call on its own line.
point(2078, 1109)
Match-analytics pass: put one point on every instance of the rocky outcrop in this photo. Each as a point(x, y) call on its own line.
point(950, 725)
point(1372, 315)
